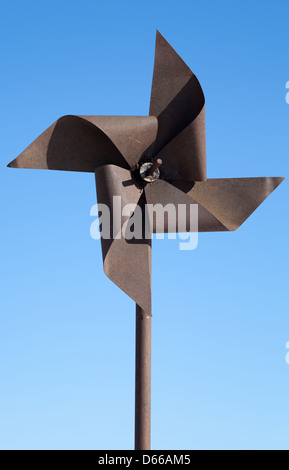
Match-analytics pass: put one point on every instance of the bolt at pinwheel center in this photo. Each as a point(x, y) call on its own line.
point(147, 176)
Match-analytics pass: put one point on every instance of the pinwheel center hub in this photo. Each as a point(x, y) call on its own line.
point(150, 172)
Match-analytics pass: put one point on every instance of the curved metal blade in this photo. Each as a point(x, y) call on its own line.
point(178, 101)
point(166, 194)
point(184, 158)
point(170, 76)
point(231, 200)
point(75, 143)
point(72, 144)
point(127, 263)
point(133, 136)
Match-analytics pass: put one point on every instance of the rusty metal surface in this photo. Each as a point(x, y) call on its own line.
point(133, 136)
point(115, 147)
point(178, 101)
point(231, 200)
point(165, 193)
point(83, 143)
point(143, 380)
point(171, 141)
point(126, 262)
point(223, 204)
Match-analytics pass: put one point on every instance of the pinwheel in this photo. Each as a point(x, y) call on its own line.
point(155, 159)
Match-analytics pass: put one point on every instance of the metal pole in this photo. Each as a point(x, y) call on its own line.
point(143, 381)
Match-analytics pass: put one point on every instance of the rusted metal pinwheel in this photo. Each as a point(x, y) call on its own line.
point(160, 158)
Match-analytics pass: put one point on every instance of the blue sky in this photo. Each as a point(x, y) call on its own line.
point(220, 313)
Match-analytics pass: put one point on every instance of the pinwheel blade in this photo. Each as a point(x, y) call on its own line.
point(184, 158)
point(127, 262)
point(167, 214)
point(83, 143)
point(178, 102)
point(133, 136)
point(170, 76)
point(231, 200)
